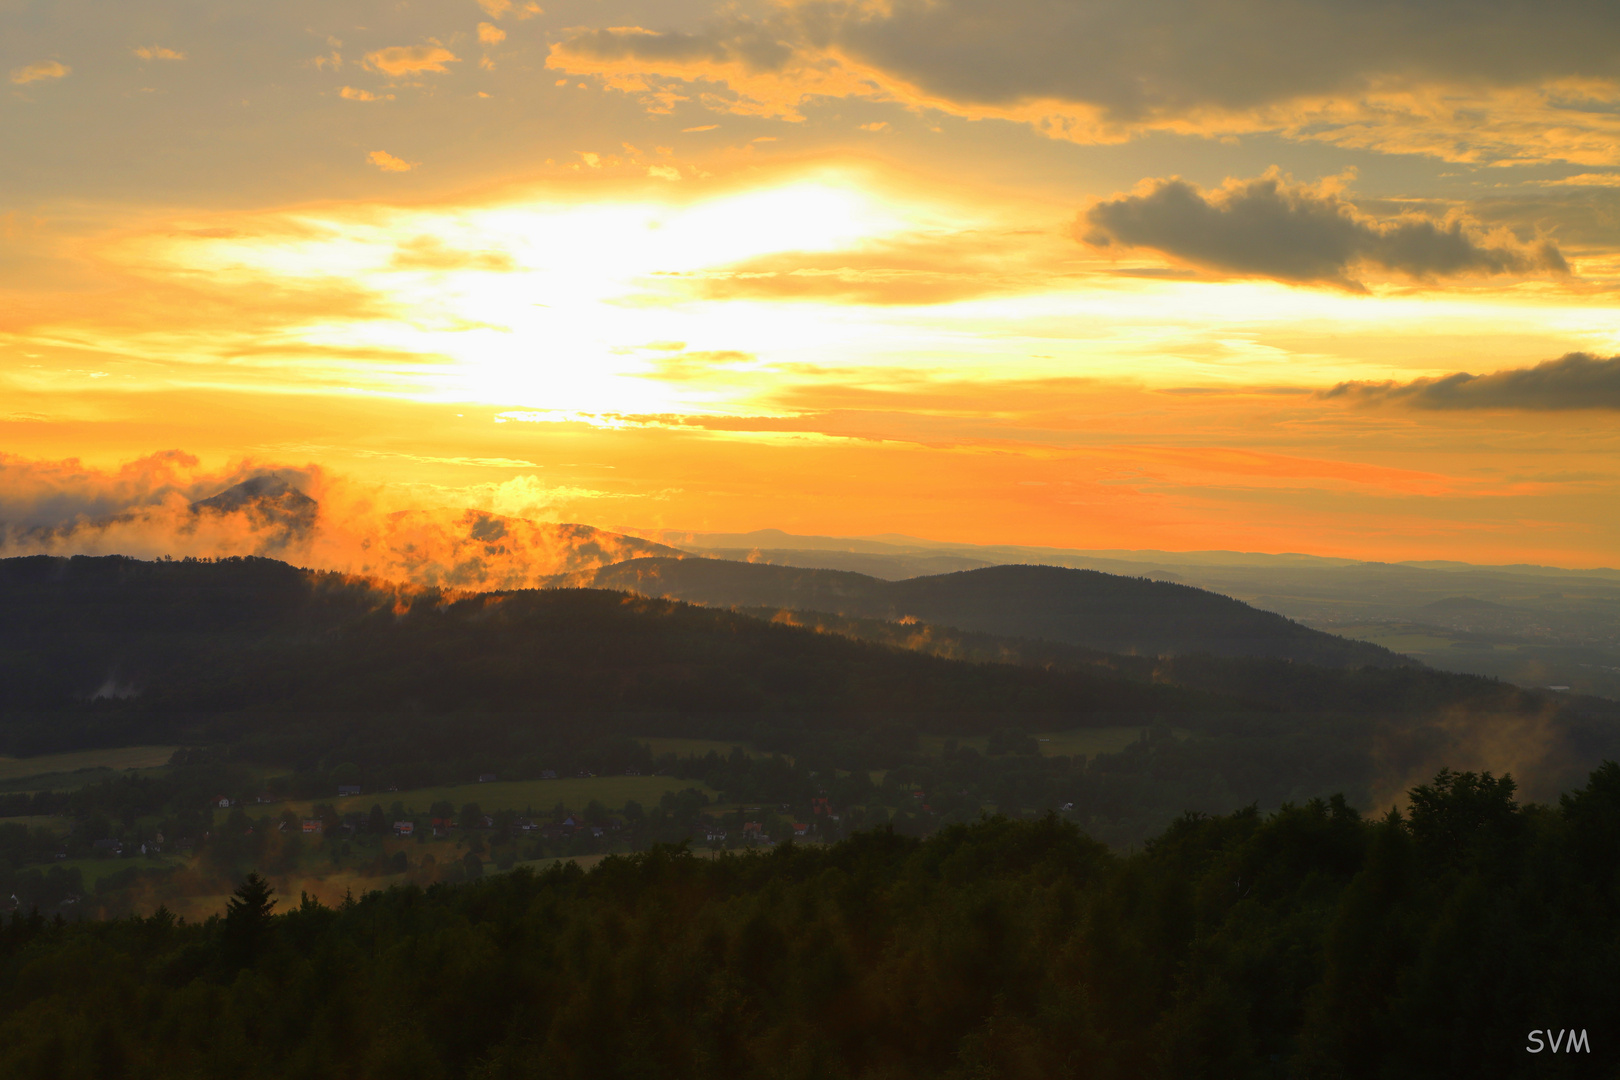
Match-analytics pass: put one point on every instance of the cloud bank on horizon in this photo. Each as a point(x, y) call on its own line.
point(1094, 275)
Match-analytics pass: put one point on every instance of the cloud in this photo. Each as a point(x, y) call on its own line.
point(1504, 82)
point(389, 163)
point(158, 52)
point(1574, 381)
point(1137, 58)
point(353, 93)
point(483, 536)
point(430, 253)
point(490, 34)
point(44, 69)
point(1267, 227)
point(495, 8)
point(411, 59)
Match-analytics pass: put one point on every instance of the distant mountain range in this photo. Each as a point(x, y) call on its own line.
point(1105, 612)
point(1552, 626)
point(298, 667)
point(188, 642)
point(116, 638)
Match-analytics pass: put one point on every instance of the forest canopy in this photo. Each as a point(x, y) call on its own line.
point(1308, 942)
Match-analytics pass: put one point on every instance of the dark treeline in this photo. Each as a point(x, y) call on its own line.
point(1310, 942)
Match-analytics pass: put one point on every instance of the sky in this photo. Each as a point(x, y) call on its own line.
point(1267, 275)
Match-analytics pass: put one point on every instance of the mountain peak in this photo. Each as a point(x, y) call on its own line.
point(268, 500)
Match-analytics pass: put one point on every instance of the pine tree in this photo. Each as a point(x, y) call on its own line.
point(247, 920)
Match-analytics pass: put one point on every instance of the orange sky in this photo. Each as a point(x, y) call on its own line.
point(835, 269)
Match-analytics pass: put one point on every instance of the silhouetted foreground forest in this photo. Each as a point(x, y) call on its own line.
point(1306, 943)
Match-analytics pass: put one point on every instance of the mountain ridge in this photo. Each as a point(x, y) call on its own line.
point(1109, 613)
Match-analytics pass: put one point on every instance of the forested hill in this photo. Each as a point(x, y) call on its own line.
point(1107, 612)
point(119, 642)
point(1308, 943)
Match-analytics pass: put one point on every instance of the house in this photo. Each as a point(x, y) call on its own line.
point(315, 826)
point(404, 828)
point(548, 774)
point(486, 778)
point(801, 830)
point(632, 772)
point(820, 805)
point(222, 802)
point(108, 847)
point(348, 789)
point(567, 827)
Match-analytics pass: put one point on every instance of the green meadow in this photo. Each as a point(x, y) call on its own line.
point(541, 795)
point(1087, 742)
point(73, 770)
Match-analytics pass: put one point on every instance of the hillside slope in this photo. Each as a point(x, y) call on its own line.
point(1106, 612)
point(118, 641)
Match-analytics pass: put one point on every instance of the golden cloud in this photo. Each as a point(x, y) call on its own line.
point(490, 34)
point(158, 52)
point(488, 536)
point(44, 69)
point(389, 163)
point(411, 59)
point(1083, 74)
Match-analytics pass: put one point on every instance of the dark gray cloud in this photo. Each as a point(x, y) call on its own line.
point(1136, 59)
point(1575, 381)
point(1267, 227)
point(761, 46)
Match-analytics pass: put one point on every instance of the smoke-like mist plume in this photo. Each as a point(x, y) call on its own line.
point(168, 505)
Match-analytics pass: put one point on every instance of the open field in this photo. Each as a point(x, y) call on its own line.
point(53, 765)
point(541, 795)
point(1081, 741)
point(58, 826)
point(93, 870)
point(694, 747)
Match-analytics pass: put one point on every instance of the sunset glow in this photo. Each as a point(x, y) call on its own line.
point(724, 270)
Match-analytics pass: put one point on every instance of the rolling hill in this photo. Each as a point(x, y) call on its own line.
point(115, 645)
point(1106, 612)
